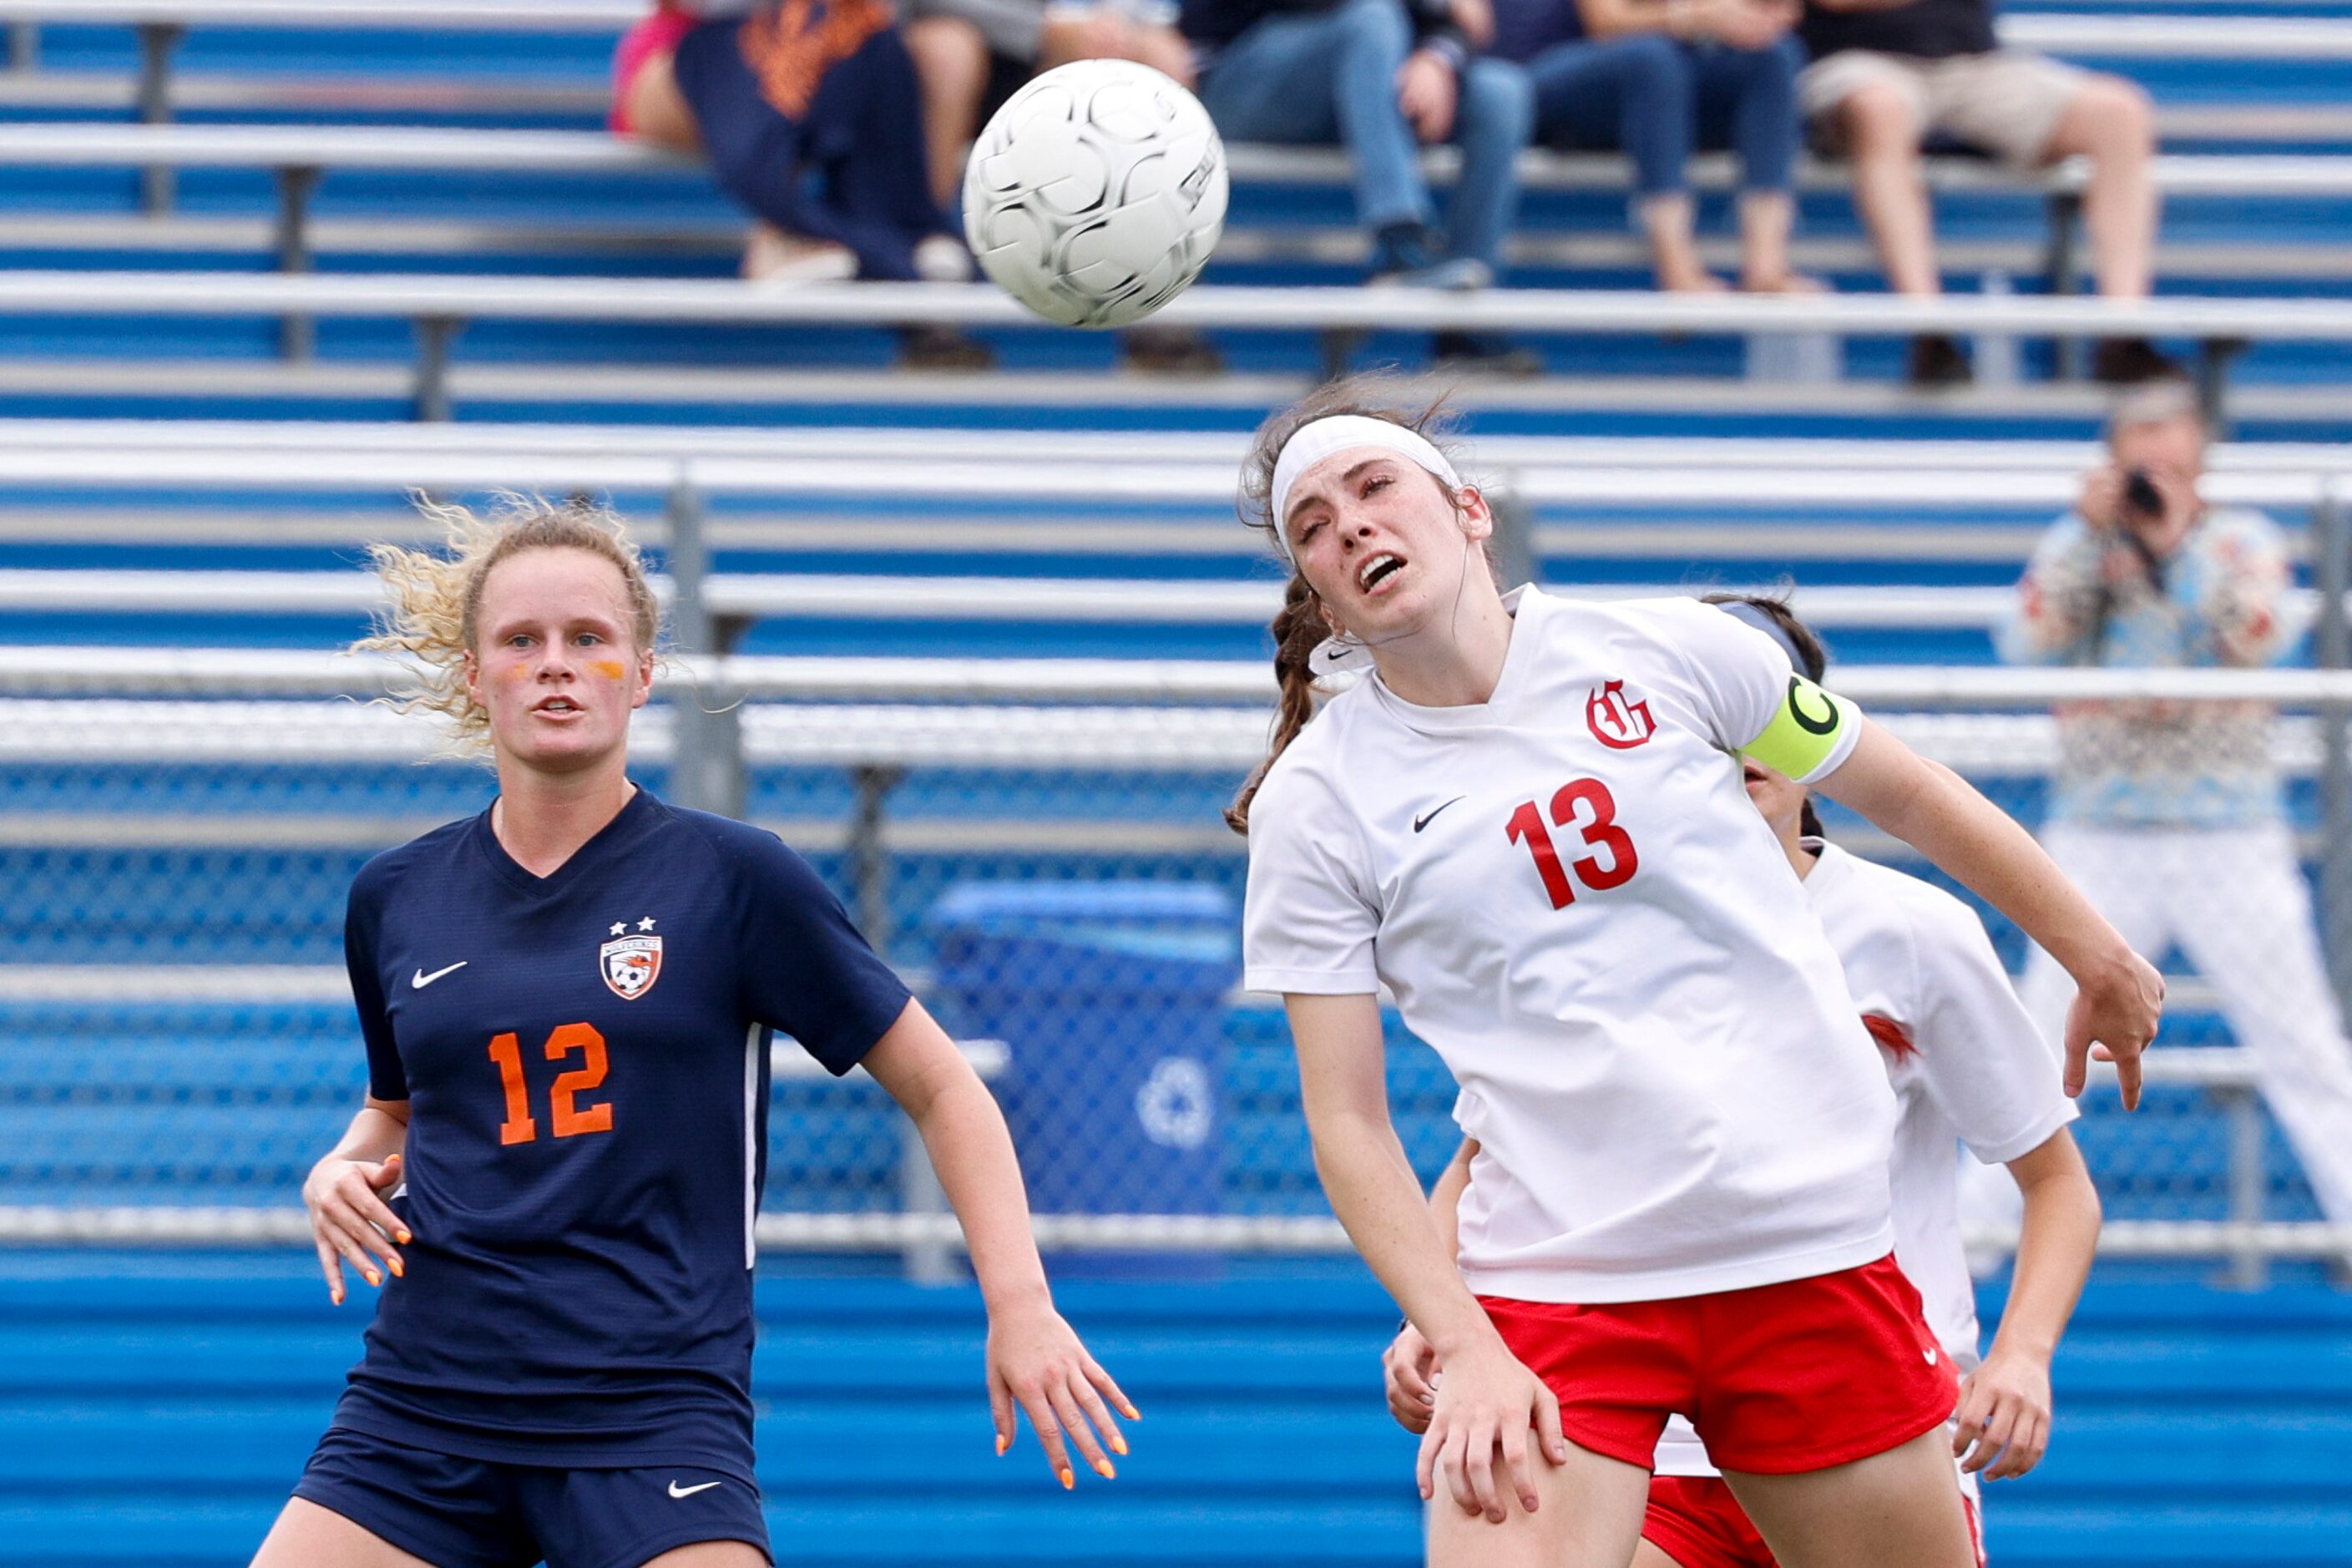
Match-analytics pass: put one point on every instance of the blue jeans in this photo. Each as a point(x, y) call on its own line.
point(1330, 76)
point(1656, 99)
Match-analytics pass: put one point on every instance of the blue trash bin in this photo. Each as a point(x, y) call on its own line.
point(1110, 997)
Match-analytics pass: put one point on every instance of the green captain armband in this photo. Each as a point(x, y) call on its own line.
point(1809, 728)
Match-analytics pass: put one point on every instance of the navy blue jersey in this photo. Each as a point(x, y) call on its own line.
point(585, 1060)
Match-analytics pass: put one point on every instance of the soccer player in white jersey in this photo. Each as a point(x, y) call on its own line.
point(1967, 1065)
point(1525, 822)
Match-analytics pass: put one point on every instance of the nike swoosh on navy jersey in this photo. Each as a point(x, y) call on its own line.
point(420, 980)
point(676, 1491)
point(1421, 822)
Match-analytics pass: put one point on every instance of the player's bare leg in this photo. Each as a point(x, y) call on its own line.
point(711, 1554)
point(309, 1536)
point(1647, 1555)
point(658, 110)
point(1903, 1506)
point(1590, 1516)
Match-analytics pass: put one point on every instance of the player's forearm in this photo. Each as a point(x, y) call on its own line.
point(1377, 1197)
point(2056, 1243)
point(1943, 817)
point(375, 1134)
point(971, 1149)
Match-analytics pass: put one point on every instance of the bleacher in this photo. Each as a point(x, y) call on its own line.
point(171, 1025)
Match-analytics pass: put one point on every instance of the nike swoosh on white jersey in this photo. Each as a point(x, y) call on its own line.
point(420, 980)
point(676, 1491)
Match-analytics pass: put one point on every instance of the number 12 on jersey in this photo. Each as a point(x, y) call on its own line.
point(569, 1116)
point(1599, 830)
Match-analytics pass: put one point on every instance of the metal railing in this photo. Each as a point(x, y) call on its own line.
point(1095, 714)
point(439, 308)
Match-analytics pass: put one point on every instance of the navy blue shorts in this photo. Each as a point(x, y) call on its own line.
point(479, 1513)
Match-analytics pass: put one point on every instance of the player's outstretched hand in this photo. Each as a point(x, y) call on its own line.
point(1410, 1368)
point(1486, 1404)
point(2113, 1018)
point(350, 1221)
point(2003, 1423)
point(1034, 1360)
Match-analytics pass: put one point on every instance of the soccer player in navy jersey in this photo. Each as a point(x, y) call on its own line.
point(567, 1002)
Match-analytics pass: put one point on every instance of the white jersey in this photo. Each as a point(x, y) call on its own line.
point(1976, 1072)
point(1573, 901)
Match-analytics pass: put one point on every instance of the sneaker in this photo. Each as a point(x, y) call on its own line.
point(939, 346)
point(1170, 350)
point(1402, 248)
point(1454, 275)
point(1486, 354)
point(773, 258)
point(942, 258)
point(2120, 361)
point(1936, 360)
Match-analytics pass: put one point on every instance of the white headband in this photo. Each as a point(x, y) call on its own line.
point(1311, 443)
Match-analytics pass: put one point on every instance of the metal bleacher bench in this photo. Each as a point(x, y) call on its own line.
point(439, 307)
point(300, 155)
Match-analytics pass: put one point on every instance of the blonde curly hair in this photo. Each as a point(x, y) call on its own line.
point(434, 596)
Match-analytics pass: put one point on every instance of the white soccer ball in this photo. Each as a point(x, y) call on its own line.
point(1095, 194)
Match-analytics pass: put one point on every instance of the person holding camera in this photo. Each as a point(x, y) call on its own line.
point(2169, 814)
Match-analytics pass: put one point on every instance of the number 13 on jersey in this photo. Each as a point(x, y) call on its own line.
point(1586, 805)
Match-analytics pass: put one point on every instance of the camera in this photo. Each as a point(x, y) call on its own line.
point(2140, 494)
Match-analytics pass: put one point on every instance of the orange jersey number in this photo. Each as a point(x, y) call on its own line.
point(570, 1117)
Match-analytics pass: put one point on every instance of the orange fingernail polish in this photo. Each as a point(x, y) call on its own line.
point(1119, 1445)
point(1130, 1412)
point(405, 1239)
point(374, 1278)
point(396, 1268)
point(1069, 1482)
point(1001, 1446)
point(1103, 1469)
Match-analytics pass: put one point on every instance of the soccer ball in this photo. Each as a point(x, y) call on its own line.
point(1095, 194)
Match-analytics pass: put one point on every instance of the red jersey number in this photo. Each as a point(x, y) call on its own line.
point(1586, 805)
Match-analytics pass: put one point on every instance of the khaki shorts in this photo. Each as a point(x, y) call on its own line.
point(2007, 103)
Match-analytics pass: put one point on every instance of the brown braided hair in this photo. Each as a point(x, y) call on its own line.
point(1300, 626)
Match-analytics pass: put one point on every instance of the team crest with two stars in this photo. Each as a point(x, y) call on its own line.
point(631, 964)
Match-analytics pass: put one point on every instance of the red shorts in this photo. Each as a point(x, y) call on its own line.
point(1696, 1520)
point(1778, 1378)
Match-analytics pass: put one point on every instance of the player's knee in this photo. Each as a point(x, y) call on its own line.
point(1652, 65)
point(1498, 100)
point(2118, 116)
point(1878, 117)
point(950, 57)
point(1374, 24)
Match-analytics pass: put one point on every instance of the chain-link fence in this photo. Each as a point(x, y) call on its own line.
point(1053, 875)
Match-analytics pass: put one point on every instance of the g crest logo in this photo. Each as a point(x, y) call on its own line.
point(630, 965)
point(1616, 724)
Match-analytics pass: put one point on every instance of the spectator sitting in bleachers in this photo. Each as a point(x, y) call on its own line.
point(970, 55)
point(2169, 815)
point(774, 91)
point(1885, 77)
point(1379, 76)
point(1656, 80)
